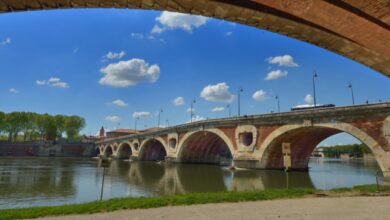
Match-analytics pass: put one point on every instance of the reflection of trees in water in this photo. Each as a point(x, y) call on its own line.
point(44, 177)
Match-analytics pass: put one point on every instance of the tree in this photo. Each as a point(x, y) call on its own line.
point(73, 125)
point(60, 125)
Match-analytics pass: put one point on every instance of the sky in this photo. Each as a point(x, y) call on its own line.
point(112, 66)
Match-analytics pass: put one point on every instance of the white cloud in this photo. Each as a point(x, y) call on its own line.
point(13, 90)
point(284, 60)
point(53, 81)
point(260, 95)
point(5, 41)
point(309, 99)
point(113, 118)
point(137, 35)
point(197, 118)
point(175, 20)
point(75, 50)
point(129, 73)
point(119, 103)
point(178, 101)
point(189, 110)
point(114, 55)
point(217, 93)
point(229, 33)
point(276, 74)
point(141, 114)
point(218, 109)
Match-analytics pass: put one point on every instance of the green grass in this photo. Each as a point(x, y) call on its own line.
point(176, 200)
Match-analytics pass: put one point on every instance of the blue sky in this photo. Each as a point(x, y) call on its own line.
point(109, 65)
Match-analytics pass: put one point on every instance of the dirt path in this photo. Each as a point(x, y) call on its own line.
point(305, 208)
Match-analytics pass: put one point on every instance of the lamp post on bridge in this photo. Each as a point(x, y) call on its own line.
point(314, 88)
point(159, 115)
point(167, 121)
point(353, 98)
point(239, 101)
point(191, 108)
point(135, 123)
point(278, 101)
point(228, 107)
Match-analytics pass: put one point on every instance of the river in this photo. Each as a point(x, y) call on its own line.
point(26, 182)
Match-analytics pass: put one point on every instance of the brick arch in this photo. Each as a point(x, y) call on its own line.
point(205, 149)
point(358, 30)
point(108, 150)
point(295, 132)
point(153, 149)
point(120, 153)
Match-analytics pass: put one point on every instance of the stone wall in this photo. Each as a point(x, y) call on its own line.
point(45, 149)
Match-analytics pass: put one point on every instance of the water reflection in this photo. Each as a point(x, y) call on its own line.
point(48, 181)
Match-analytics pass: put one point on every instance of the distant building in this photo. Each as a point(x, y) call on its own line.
point(102, 132)
point(318, 152)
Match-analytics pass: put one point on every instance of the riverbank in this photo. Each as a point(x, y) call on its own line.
point(182, 200)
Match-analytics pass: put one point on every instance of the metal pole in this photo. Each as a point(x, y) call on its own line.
point(167, 122)
point(101, 191)
point(159, 113)
point(277, 98)
point(239, 101)
point(228, 106)
point(314, 88)
point(135, 123)
point(192, 103)
point(353, 98)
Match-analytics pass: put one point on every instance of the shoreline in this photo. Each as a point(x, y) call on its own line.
point(185, 200)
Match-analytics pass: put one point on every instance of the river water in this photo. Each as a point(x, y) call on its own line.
point(26, 182)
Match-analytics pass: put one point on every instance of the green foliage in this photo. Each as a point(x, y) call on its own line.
point(35, 126)
point(356, 150)
point(152, 202)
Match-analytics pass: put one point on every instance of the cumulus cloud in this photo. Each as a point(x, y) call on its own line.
point(217, 93)
point(54, 82)
point(260, 95)
point(309, 99)
point(137, 35)
point(119, 103)
point(197, 118)
point(5, 41)
point(218, 109)
point(284, 60)
point(276, 74)
point(141, 114)
point(113, 118)
point(129, 73)
point(13, 90)
point(114, 55)
point(174, 20)
point(178, 101)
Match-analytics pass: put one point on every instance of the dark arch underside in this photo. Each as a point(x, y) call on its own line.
point(302, 140)
point(206, 148)
point(124, 151)
point(153, 150)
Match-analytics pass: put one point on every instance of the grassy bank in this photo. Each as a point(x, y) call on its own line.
point(187, 199)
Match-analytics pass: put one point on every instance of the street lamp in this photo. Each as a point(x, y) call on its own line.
point(238, 100)
point(228, 107)
point(159, 114)
point(167, 122)
point(135, 123)
point(278, 101)
point(314, 88)
point(353, 98)
point(191, 108)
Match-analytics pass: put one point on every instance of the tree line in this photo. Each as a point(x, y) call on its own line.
point(355, 150)
point(30, 126)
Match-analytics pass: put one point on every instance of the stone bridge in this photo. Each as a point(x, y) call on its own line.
point(358, 29)
point(256, 141)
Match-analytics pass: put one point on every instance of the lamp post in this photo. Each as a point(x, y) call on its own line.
point(278, 101)
point(135, 123)
point(167, 121)
point(228, 107)
point(159, 114)
point(239, 101)
point(353, 98)
point(191, 108)
point(314, 88)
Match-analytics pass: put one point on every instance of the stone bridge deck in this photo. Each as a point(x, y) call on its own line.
point(256, 141)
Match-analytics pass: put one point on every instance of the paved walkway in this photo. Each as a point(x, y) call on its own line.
point(305, 208)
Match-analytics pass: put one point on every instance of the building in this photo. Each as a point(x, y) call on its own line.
point(120, 132)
